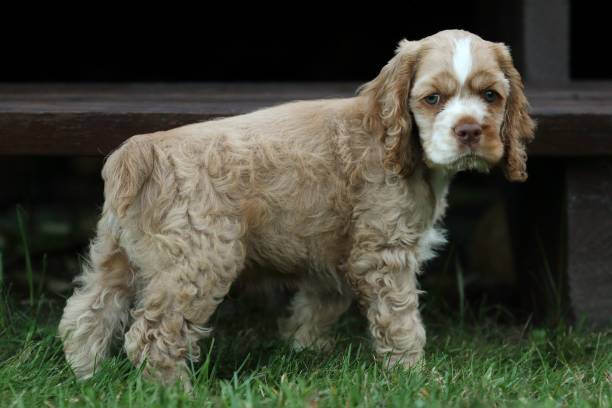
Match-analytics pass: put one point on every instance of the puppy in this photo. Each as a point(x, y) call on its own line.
point(342, 198)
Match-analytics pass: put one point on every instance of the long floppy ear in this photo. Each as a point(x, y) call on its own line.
point(517, 128)
point(387, 114)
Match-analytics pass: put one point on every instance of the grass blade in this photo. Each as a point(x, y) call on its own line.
point(1, 271)
point(26, 253)
point(460, 289)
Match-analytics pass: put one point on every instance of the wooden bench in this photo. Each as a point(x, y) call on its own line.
point(574, 127)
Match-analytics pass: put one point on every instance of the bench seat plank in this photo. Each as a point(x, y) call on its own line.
point(92, 119)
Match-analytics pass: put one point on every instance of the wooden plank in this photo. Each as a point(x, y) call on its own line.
point(566, 135)
point(589, 239)
point(84, 134)
point(92, 119)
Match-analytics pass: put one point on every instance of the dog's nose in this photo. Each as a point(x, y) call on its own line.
point(468, 133)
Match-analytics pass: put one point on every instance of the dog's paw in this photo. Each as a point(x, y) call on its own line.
point(322, 343)
point(303, 338)
point(405, 360)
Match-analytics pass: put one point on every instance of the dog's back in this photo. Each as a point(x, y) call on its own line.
point(277, 171)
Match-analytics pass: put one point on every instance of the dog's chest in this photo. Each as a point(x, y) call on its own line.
point(433, 237)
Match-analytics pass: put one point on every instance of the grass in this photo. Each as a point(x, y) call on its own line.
point(466, 365)
point(470, 361)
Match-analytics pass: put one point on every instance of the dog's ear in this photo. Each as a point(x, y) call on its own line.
point(388, 114)
point(517, 128)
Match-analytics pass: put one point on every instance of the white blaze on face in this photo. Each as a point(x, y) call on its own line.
point(462, 58)
point(443, 148)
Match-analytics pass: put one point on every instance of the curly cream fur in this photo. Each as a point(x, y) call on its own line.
point(98, 310)
point(332, 196)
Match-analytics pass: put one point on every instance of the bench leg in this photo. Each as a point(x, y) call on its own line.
point(538, 227)
point(589, 239)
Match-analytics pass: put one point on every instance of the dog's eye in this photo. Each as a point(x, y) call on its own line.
point(432, 99)
point(490, 96)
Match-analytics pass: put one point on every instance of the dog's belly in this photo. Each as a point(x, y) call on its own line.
point(293, 259)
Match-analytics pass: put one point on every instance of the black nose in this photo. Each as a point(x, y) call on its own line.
point(468, 133)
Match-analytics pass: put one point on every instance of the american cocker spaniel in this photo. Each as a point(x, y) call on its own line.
point(340, 198)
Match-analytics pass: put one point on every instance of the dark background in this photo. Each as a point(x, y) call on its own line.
point(60, 197)
point(300, 42)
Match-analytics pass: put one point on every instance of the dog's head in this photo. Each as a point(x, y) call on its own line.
point(465, 97)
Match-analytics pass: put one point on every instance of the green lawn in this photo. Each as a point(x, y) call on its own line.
point(480, 364)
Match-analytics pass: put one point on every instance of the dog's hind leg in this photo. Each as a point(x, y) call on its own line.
point(183, 291)
point(98, 309)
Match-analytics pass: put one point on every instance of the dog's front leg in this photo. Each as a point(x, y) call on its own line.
point(385, 281)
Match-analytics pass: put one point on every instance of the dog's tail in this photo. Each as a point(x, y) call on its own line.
point(125, 172)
